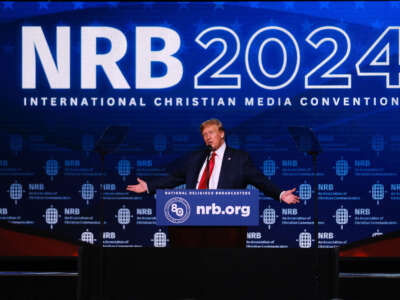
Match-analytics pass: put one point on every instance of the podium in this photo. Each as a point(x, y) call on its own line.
point(207, 218)
point(204, 262)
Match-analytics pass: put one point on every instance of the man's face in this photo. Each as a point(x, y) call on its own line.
point(213, 137)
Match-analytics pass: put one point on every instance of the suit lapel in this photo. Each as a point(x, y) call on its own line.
point(226, 163)
point(198, 163)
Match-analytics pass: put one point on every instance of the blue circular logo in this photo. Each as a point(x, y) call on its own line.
point(177, 210)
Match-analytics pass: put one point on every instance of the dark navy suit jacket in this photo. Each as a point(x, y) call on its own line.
point(237, 171)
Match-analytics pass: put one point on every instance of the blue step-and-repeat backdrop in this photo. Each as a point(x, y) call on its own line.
point(71, 69)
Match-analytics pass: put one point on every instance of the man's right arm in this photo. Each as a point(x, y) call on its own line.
point(165, 182)
point(150, 186)
point(175, 178)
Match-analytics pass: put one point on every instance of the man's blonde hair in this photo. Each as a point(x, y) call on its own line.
point(211, 122)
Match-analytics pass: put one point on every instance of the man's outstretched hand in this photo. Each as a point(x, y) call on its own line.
point(289, 198)
point(141, 187)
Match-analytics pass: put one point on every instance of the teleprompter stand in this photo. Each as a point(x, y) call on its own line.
point(307, 142)
point(109, 142)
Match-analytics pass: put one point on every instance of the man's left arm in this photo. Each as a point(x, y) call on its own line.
point(254, 176)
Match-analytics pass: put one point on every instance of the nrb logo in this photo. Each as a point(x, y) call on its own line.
point(16, 191)
point(377, 192)
point(342, 216)
point(269, 168)
point(269, 216)
point(177, 210)
point(124, 216)
point(124, 168)
point(51, 168)
point(160, 239)
point(87, 192)
point(51, 216)
point(342, 168)
point(305, 239)
point(305, 192)
point(88, 237)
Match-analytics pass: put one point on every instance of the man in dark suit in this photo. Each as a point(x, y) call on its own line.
point(227, 169)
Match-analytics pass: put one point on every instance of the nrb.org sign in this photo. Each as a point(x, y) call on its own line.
point(207, 207)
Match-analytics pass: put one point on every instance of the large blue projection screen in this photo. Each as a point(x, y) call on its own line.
point(70, 70)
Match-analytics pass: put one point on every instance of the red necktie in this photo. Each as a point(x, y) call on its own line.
point(203, 180)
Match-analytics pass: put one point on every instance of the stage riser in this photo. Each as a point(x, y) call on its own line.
point(368, 288)
point(207, 273)
point(45, 288)
point(38, 288)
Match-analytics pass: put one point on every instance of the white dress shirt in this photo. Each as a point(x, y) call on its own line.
point(213, 183)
